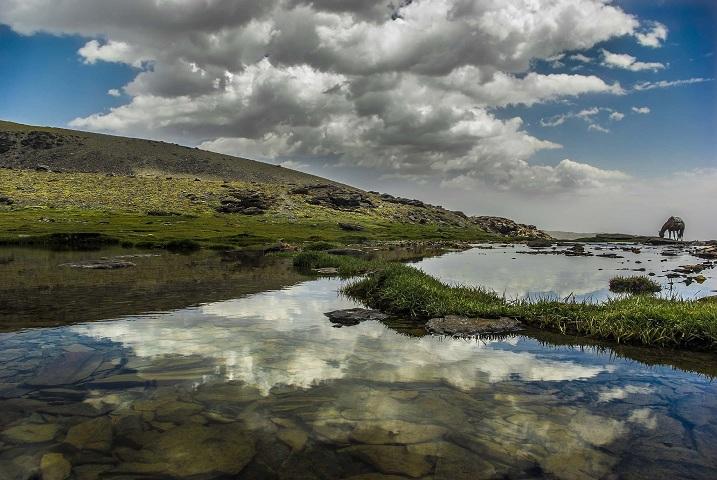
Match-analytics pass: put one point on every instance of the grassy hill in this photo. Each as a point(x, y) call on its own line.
point(63, 182)
point(27, 147)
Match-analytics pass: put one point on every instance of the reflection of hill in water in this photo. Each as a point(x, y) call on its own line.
point(35, 291)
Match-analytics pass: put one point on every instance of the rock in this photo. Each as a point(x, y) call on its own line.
point(351, 227)
point(70, 368)
point(506, 226)
point(334, 196)
point(245, 202)
point(700, 279)
point(384, 432)
point(42, 168)
point(30, 433)
point(539, 243)
point(327, 271)
point(458, 326)
point(392, 459)
point(100, 264)
point(54, 466)
point(193, 450)
point(39, 140)
point(280, 246)
point(95, 434)
point(4, 200)
point(354, 316)
point(403, 201)
point(293, 437)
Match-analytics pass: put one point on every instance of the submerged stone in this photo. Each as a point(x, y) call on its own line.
point(458, 326)
point(54, 466)
point(392, 459)
point(31, 433)
point(395, 431)
point(95, 434)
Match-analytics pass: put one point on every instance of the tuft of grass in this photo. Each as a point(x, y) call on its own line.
point(406, 291)
point(639, 285)
point(348, 266)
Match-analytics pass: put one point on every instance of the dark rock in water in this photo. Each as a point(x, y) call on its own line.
point(458, 326)
point(71, 368)
point(350, 227)
point(609, 255)
point(100, 264)
point(354, 316)
point(539, 243)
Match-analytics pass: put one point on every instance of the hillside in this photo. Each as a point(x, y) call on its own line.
point(28, 147)
point(140, 191)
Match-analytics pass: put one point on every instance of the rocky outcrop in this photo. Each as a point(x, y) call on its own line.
point(333, 196)
point(38, 140)
point(245, 203)
point(402, 201)
point(457, 326)
point(507, 227)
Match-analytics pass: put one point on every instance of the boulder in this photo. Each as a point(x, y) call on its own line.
point(245, 203)
point(507, 227)
point(334, 196)
point(5, 200)
point(351, 227)
point(354, 316)
point(457, 326)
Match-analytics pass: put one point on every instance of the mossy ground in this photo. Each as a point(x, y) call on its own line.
point(640, 319)
point(152, 211)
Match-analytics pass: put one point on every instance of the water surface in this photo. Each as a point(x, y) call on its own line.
point(260, 385)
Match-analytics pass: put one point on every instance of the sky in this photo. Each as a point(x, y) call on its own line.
point(577, 115)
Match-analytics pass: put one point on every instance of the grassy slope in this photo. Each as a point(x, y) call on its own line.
point(403, 290)
point(117, 206)
point(92, 152)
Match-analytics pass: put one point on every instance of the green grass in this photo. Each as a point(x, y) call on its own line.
point(154, 211)
point(640, 285)
point(403, 290)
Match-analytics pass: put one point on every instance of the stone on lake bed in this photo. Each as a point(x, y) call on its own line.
point(457, 326)
point(54, 466)
point(30, 433)
point(354, 316)
point(95, 434)
point(392, 459)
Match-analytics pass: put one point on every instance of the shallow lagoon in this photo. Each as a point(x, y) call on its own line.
point(260, 385)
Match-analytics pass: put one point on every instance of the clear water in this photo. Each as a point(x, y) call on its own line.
point(260, 385)
point(518, 271)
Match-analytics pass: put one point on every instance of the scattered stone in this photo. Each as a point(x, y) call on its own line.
point(54, 466)
point(4, 200)
point(42, 168)
point(38, 140)
point(458, 326)
point(354, 316)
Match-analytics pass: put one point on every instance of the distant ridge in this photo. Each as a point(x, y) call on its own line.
point(27, 147)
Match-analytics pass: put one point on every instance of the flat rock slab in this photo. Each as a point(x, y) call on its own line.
point(458, 326)
point(354, 316)
point(101, 264)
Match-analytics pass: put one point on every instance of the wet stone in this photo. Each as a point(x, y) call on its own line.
point(354, 316)
point(95, 434)
point(296, 439)
point(392, 459)
point(70, 368)
point(395, 431)
point(30, 433)
point(54, 466)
